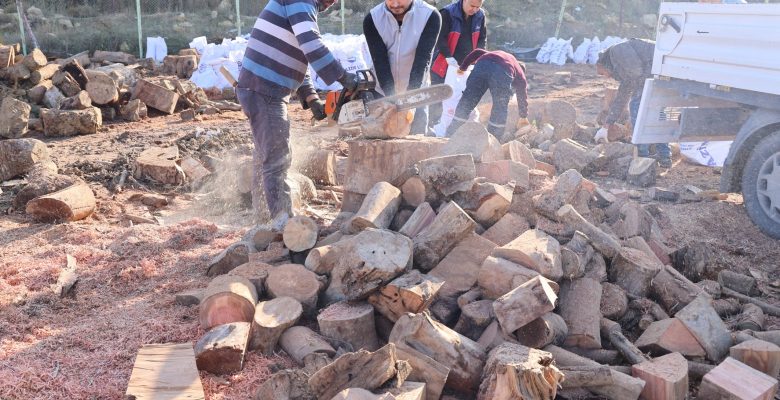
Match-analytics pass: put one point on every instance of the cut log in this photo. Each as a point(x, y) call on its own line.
point(7, 56)
point(17, 72)
point(73, 203)
point(448, 174)
point(524, 304)
point(44, 73)
point(68, 123)
point(235, 255)
point(623, 386)
point(100, 56)
point(726, 307)
point(80, 101)
point(222, 349)
point(472, 138)
point(570, 155)
point(613, 332)
point(642, 171)
point(320, 166)
point(125, 77)
point(134, 111)
point(373, 161)
point(513, 369)
point(425, 369)
point(601, 356)
point(633, 221)
point(300, 341)
point(271, 319)
point(705, 324)
point(362, 369)
point(14, 118)
point(227, 299)
point(409, 293)
point(728, 381)
point(710, 287)
point(693, 259)
point(165, 371)
point(580, 307)
point(507, 229)
point(378, 209)
point(767, 308)
point(738, 282)
point(34, 60)
point(669, 336)
point(758, 354)
point(752, 318)
point(409, 391)
point(519, 152)
point(159, 164)
point(464, 357)
point(459, 270)
point(634, 271)
point(294, 280)
point(673, 290)
point(536, 250)
point(585, 377)
point(548, 329)
point(373, 259)
point(496, 276)
point(351, 323)
point(286, 384)
point(66, 83)
point(666, 378)
point(67, 279)
point(254, 271)
point(413, 192)
point(493, 336)
point(400, 219)
point(505, 171)
point(300, 233)
point(603, 242)
point(422, 217)
point(486, 202)
point(474, 318)
point(36, 93)
point(614, 301)
point(433, 243)
point(101, 88)
point(155, 96)
point(76, 70)
point(53, 98)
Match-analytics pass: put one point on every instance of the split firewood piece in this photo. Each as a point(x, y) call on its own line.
point(705, 324)
point(633, 221)
point(504, 171)
point(669, 336)
point(460, 268)
point(167, 371)
point(548, 329)
point(71, 122)
point(412, 292)
point(67, 84)
point(585, 376)
point(614, 301)
point(300, 233)
point(580, 307)
point(565, 191)
point(623, 386)
point(408, 391)
point(271, 319)
point(519, 152)
point(155, 96)
point(36, 93)
point(762, 356)
point(525, 303)
point(768, 336)
point(666, 378)
point(159, 164)
point(601, 356)
point(608, 245)
point(373, 259)
point(414, 192)
point(422, 217)
point(642, 171)
point(134, 111)
point(73, 203)
point(232, 257)
point(673, 290)
point(738, 282)
point(323, 259)
point(472, 138)
point(102, 88)
point(493, 336)
point(519, 370)
point(227, 299)
point(285, 384)
point(474, 318)
point(433, 243)
point(34, 60)
point(464, 357)
point(352, 323)
point(300, 341)
point(361, 369)
point(735, 380)
point(222, 349)
point(752, 318)
point(378, 209)
point(612, 331)
point(80, 101)
point(486, 202)
point(633, 270)
point(507, 229)
point(448, 174)
point(576, 255)
point(294, 280)
point(497, 276)
point(536, 250)
point(425, 369)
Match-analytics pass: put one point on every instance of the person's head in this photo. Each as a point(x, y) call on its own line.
point(604, 65)
point(325, 4)
point(470, 7)
point(398, 7)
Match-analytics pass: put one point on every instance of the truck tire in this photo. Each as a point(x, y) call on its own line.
point(761, 185)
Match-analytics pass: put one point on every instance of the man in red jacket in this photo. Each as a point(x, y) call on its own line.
point(500, 72)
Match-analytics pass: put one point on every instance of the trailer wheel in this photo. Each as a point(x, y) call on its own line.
point(761, 185)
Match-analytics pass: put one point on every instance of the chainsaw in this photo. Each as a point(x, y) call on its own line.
point(351, 108)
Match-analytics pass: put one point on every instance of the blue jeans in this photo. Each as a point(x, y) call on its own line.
point(644, 149)
point(486, 75)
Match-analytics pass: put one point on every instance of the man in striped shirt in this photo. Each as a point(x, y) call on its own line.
point(284, 42)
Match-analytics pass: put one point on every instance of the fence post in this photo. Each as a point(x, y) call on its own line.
point(140, 32)
point(21, 29)
point(238, 17)
point(343, 26)
point(560, 19)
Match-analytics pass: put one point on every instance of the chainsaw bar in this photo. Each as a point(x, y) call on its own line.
point(418, 97)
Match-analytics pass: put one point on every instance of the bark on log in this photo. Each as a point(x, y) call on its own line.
point(524, 304)
point(422, 217)
point(100, 56)
point(227, 299)
point(286, 384)
point(36, 93)
point(68, 123)
point(271, 319)
point(580, 307)
point(548, 329)
point(425, 369)
point(623, 386)
point(7, 56)
point(413, 191)
point(66, 83)
point(34, 60)
point(601, 356)
point(125, 77)
point(614, 302)
point(433, 243)
point(768, 308)
point(294, 280)
point(752, 318)
point(134, 111)
point(320, 166)
point(73, 203)
point(300, 234)
point(235, 255)
point(378, 209)
point(768, 336)
point(75, 69)
point(513, 369)
point(726, 307)
point(409, 293)
point(739, 283)
point(222, 349)
point(585, 377)
point(497, 276)
point(352, 323)
point(300, 341)
point(80, 101)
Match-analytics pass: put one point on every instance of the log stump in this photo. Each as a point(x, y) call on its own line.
point(73, 203)
point(300, 234)
point(271, 319)
point(222, 349)
point(516, 369)
point(294, 280)
point(352, 323)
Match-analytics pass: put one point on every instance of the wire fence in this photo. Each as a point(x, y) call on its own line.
point(66, 27)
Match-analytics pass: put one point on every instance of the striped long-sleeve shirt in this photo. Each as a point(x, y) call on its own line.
point(283, 42)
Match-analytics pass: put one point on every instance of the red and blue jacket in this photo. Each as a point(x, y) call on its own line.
point(453, 27)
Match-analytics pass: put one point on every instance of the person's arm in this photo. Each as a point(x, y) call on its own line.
point(306, 91)
point(444, 33)
point(302, 16)
point(471, 58)
point(520, 83)
point(378, 50)
point(424, 52)
point(482, 40)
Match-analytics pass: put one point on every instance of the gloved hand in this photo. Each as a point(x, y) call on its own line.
point(451, 61)
point(317, 109)
point(602, 136)
point(349, 81)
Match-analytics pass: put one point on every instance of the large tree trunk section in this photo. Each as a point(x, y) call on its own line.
point(433, 243)
point(448, 174)
point(614, 301)
point(362, 370)
point(159, 164)
point(19, 156)
point(320, 166)
point(80, 101)
point(634, 271)
point(271, 319)
point(155, 96)
point(44, 73)
point(300, 234)
point(581, 309)
point(608, 245)
point(373, 161)
point(548, 329)
point(68, 123)
point(378, 209)
point(413, 191)
point(300, 341)
point(419, 220)
point(227, 299)
point(728, 381)
point(472, 138)
point(513, 369)
point(100, 56)
point(464, 357)
point(372, 259)
point(409, 293)
point(623, 386)
point(294, 280)
point(425, 369)
point(673, 290)
point(666, 378)
point(167, 371)
point(536, 250)
point(101, 88)
point(70, 204)
point(497, 276)
point(669, 336)
point(475, 318)
point(705, 324)
point(222, 349)
point(612, 331)
point(507, 229)
point(460, 268)
point(762, 356)
point(524, 304)
point(352, 323)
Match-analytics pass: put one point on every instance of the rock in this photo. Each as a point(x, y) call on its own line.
point(14, 118)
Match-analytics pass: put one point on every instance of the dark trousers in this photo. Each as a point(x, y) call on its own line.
point(486, 75)
point(271, 157)
point(435, 110)
point(663, 149)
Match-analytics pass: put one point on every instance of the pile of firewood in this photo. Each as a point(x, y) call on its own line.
point(466, 268)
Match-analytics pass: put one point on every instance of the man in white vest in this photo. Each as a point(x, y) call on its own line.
point(401, 36)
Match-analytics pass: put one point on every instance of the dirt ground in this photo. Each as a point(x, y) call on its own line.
point(84, 348)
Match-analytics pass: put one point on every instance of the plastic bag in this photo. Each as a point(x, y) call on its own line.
point(458, 83)
point(156, 48)
point(711, 154)
point(581, 54)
